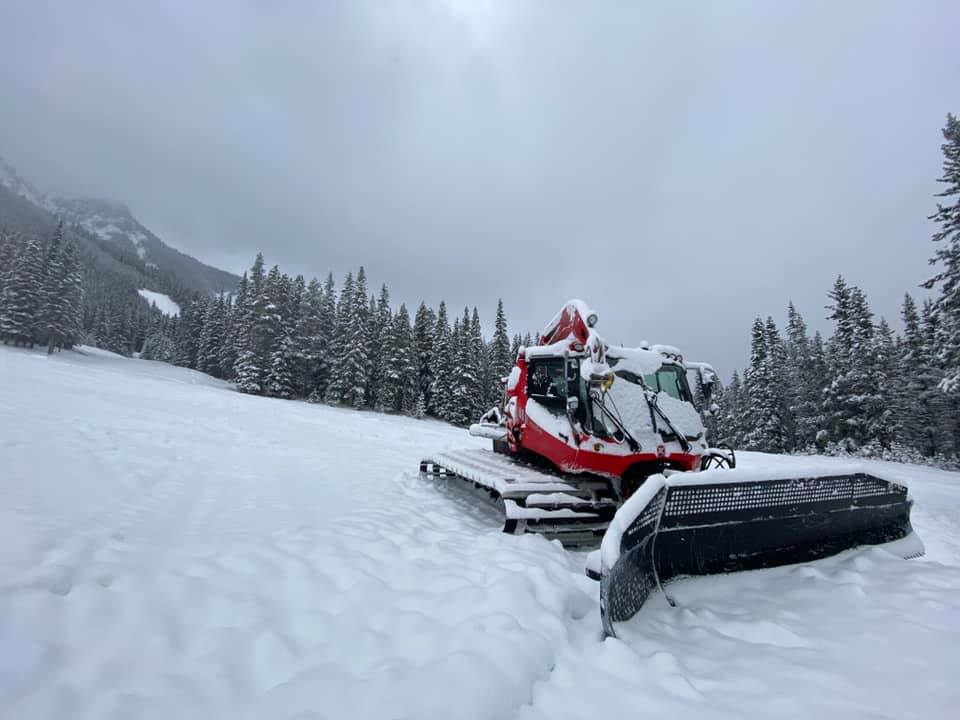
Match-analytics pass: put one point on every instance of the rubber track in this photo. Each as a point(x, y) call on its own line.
point(576, 520)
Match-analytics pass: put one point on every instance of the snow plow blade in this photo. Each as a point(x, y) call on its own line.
point(722, 521)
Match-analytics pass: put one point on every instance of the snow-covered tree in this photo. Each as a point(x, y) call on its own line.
point(250, 367)
point(423, 328)
point(765, 389)
point(22, 295)
point(466, 394)
point(212, 337)
point(501, 359)
point(947, 257)
point(443, 360)
point(399, 387)
point(381, 330)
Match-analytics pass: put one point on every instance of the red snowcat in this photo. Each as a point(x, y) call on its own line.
point(597, 441)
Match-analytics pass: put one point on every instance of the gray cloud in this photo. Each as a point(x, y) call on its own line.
point(682, 168)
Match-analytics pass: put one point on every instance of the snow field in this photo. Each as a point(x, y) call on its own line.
point(163, 302)
point(171, 548)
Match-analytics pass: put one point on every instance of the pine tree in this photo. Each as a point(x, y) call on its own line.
point(501, 358)
point(942, 417)
point(730, 417)
point(853, 404)
point(398, 391)
point(442, 365)
point(22, 298)
point(71, 291)
point(765, 390)
point(188, 332)
point(338, 382)
point(795, 377)
point(307, 340)
point(233, 334)
point(278, 328)
point(250, 367)
point(423, 328)
point(53, 304)
point(481, 367)
point(358, 345)
point(381, 329)
point(349, 382)
point(325, 339)
point(466, 391)
point(212, 337)
point(947, 256)
point(886, 421)
point(811, 423)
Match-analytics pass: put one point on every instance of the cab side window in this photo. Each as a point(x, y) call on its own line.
point(547, 383)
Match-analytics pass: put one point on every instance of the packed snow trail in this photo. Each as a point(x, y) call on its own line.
point(171, 548)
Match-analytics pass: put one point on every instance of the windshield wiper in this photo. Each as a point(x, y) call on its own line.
point(631, 441)
point(652, 399)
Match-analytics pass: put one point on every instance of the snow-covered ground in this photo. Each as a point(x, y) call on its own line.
point(163, 302)
point(173, 549)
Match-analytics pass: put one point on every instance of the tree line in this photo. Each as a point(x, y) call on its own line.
point(863, 390)
point(287, 337)
point(41, 290)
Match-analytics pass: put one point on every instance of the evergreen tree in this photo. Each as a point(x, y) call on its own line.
point(71, 290)
point(853, 404)
point(308, 346)
point(21, 303)
point(765, 389)
point(250, 367)
point(501, 358)
point(886, 421)
point(232, 334)
point(423, 329)
point(795, 377)
point(398, 392)
point(53, 304)
point(442, 365)
point(338, 381)
point(947, 257)
point(811, 422)
point(466, 391)
point(325, 340)
point(729, 418)
point(278, 328)
point(381, 330)
point(212, 337)
point(188, 332)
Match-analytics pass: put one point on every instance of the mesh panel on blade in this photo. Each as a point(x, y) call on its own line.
point(749, 496)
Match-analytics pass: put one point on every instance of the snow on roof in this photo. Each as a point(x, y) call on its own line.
point(639, 361)
point(162, 302)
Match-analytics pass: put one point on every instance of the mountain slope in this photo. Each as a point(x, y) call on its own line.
point(114, 224)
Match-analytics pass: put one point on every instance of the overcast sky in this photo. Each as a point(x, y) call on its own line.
point(682, 167)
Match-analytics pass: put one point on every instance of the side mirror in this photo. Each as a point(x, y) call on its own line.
point(707, 389)
point(573, 404)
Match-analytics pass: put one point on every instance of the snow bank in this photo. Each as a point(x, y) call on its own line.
point(163, 302)
point(171, 548)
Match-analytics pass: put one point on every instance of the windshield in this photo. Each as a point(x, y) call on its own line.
point(667, 379)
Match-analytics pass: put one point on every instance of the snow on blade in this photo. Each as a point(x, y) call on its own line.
point(163, 302)
point(171, 548)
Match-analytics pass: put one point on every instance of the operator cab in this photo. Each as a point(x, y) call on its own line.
point(610, 408)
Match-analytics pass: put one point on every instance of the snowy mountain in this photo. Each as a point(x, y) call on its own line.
point(22, 187)
point(172, 548)
point(113, 223)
